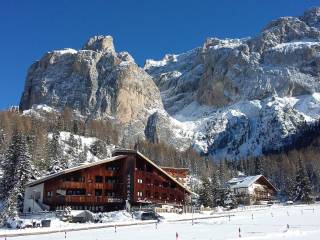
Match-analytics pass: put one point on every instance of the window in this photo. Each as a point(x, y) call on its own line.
point(49, 194)
point(111, 180)
point(140, 180)
point(139, 194)
point(76, 191)
point(99, 179)
point(112, 168)
point(74, 178)
point(98, 192)
point(110, 193)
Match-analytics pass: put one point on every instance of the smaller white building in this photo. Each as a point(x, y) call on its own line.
point(252, 189)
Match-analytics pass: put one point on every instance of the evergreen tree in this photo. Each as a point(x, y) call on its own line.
point(258, 168)
point(222, 174)
point(98, 149)
point(303, 186)
point(83, 156)
point(214, 188)
point(10, 206)
point(289, 189)
point(16, 173)
point(73, 146)
point(229, 199)
point(205, 193)
point(9, 164)
point(55, 154)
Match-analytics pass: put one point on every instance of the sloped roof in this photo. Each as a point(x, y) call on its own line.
point(69, 170)
point(245, 182)
point(153, 164)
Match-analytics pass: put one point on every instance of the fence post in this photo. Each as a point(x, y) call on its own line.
point(239, 232)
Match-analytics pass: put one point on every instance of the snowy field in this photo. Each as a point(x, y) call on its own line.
point(263, 223)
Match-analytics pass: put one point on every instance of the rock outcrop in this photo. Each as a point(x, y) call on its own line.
point(96, 81)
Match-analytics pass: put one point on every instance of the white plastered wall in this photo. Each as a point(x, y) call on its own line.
point(34, 192)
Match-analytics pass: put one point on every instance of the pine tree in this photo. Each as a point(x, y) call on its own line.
point(73, 146)
point(214, 188)
point(83, 156)
point(258, 168)
point(9, 164)
point(205, 193)
point(55, 154)
point(98, 149)
point(289, 189)
point(16, 173)
point(222, 174)
point(10, 206)
point(303, 186)
point(23, 171)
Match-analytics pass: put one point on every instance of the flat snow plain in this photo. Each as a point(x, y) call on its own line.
point(259, 223)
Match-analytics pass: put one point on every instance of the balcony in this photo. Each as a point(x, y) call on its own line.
point(83, 199)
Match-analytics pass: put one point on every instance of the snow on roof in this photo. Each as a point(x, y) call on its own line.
point(244, 182)
point(247, 181)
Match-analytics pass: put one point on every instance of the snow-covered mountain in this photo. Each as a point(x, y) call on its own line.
point(229, 98)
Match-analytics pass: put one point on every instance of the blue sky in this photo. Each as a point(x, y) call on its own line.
point(144, 28)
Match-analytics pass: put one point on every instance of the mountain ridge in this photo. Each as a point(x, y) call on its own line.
point(200, 98)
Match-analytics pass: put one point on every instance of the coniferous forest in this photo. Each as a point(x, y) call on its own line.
point(30, 148)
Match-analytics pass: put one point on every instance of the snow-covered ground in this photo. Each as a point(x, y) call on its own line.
point(263, 223)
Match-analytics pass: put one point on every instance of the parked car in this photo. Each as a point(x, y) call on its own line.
point(269, 203)
point(19, 224)
point(150, 216)
point(289, 202)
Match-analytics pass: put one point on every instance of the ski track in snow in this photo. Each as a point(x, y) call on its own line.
point(267, 223)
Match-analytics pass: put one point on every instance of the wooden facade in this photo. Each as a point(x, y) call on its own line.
point(253, 189)
point(108, 185)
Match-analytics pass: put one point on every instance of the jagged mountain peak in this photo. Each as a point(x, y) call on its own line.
point(312, 17)
point(95, 81)
point(100, 44)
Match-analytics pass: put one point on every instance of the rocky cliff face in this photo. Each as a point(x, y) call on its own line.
point(95, 81)
point(229, 98)
point(241, 96)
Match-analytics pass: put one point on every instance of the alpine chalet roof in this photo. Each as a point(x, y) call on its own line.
point(247, 181)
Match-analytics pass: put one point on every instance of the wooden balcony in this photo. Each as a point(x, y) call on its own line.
point(82, 199)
